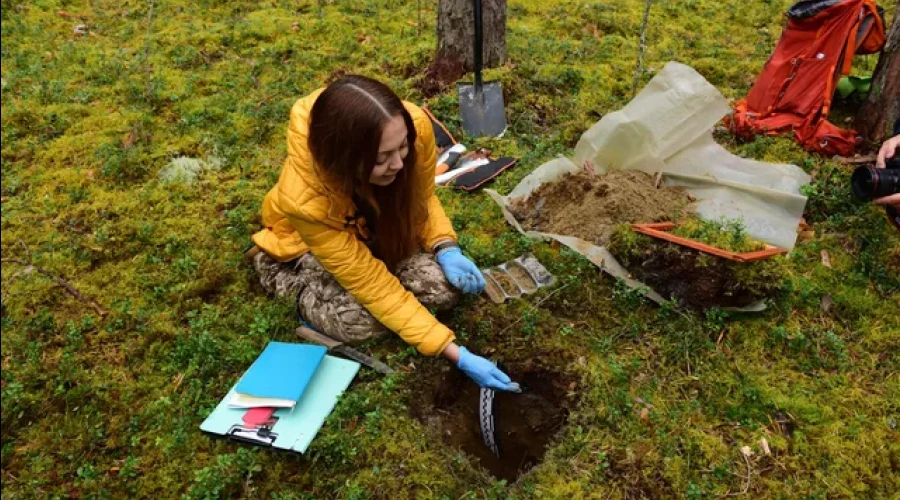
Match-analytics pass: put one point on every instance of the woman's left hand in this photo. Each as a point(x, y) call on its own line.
point(460, 271)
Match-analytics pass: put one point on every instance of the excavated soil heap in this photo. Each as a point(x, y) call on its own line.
point(590, 206)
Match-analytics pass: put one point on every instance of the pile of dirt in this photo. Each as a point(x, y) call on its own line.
point(590, 206)
point(524, 423)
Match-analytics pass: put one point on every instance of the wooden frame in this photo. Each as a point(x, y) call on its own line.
point(659, 230)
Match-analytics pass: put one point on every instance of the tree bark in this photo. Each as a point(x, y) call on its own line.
point(876, 117)
point(456, 33)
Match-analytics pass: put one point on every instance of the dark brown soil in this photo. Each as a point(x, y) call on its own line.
point(524, 423)
point(440, 76)
point(699, 281)
point(590, 206)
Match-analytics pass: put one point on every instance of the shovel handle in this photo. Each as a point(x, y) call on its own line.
point(479, 48)
point(314, 336)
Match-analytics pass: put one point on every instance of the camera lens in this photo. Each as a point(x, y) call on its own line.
point(869, 182)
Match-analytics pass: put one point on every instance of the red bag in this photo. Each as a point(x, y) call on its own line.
point(795, 89)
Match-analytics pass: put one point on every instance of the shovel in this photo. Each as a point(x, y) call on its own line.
point(344, 350)
point(481, 105)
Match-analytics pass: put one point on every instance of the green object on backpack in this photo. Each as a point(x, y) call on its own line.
point(850, 84)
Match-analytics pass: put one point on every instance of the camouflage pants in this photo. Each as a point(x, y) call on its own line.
point(334, 311)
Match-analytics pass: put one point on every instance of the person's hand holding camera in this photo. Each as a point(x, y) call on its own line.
point(888, 150)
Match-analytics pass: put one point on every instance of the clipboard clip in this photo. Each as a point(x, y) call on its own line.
point(254, 435)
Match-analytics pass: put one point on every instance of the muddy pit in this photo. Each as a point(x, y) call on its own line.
point(524, 423)
point(590, 206)
point(678, 275)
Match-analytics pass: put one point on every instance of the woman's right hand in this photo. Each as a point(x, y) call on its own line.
point(480, 370)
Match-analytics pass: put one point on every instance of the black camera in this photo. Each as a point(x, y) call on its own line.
point(869, 182)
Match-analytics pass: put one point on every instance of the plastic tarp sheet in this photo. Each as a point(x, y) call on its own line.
point(668, 128)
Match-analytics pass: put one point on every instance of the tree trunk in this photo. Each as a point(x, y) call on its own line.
point(875, 120)
point(456, 33)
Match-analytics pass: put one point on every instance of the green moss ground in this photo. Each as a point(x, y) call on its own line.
point(110, 407)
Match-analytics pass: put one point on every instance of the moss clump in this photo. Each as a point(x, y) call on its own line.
point(727, 234)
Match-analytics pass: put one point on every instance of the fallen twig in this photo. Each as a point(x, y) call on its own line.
point(856, 160)
point(60, 281)
point(658, 180)
point(146, 53)
point(589, 169)
point(641, 48)
point(25, 247)
point(535, 306)
point(746, 486)
point(687, 358)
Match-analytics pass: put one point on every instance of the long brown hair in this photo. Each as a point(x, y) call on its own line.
point(345, 127)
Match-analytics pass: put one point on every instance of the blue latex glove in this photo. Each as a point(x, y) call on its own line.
point(484, 373)
point(460, 271)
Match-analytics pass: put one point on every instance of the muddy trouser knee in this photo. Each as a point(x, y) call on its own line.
point(330, 309)
point(279, 278)
point(422, 276)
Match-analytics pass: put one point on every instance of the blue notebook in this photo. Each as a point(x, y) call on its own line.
point(280, 373)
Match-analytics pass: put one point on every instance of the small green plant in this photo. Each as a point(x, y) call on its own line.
point(529, 325)
point(120, 163)
point(630, 297)
point(602, 463)
point(225, 478)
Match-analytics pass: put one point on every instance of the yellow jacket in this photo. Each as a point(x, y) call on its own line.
point(301, 214)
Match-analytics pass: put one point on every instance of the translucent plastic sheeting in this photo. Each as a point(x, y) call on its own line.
point(668, 128)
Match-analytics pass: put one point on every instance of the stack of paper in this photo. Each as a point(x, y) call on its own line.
point(278, 376)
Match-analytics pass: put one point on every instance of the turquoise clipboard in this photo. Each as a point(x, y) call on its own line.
point(293, 429)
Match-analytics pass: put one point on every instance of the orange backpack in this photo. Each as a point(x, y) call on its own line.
point(795, 88)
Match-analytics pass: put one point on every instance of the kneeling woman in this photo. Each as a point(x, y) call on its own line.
point(353, 223)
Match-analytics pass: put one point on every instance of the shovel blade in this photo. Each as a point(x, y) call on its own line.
point(484, 116)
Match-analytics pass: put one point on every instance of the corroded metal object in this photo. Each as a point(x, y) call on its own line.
point(515, 278)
